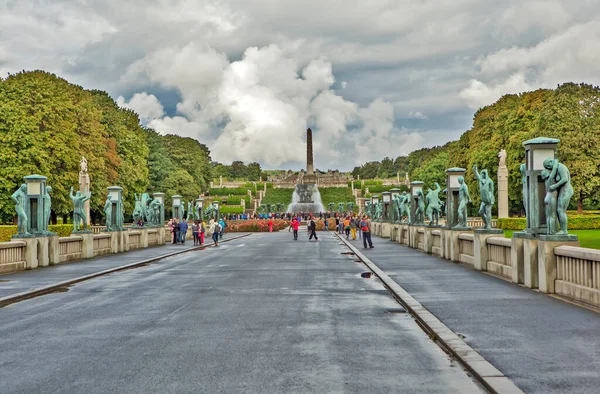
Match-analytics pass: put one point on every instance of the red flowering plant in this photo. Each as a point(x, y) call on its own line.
point(255, 226)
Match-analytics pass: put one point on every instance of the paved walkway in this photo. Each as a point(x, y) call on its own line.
point(32, 279)
point(544, 345)
point(261, 314)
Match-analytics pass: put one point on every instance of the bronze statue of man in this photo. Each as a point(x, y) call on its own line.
point(463, 199)
point(78, 213)
point(108, 212)
point(47, 205)
point(486, 191)
point(562, 184)
point(433, 204)
point(20, 199)
point(420, 211)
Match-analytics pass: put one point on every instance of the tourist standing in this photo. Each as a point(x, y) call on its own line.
point(175, 231)
point(365, 226)
point(353, 226)
point(295, 226)
point(326, 224)
point(222, 224)
point(202, 231)
point(347, 226)
point(183, 227)
point(216, 227)
point(195, 232)
point(312, 229)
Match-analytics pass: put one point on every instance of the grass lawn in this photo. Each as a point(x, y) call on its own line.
point(335, 195)
point(587, 238)
point(278, 196)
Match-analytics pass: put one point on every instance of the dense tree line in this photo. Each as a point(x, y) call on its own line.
point(47, 124)
point(570, 112)
point(238, 170)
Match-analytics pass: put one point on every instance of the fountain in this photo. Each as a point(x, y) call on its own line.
point(307, 199)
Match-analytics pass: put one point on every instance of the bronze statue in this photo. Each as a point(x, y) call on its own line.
point(108, 212)
point(20, 199)
point(562, 185)
point(78, 213)
point(486, 191)
point(433, 205)
point(463, 199)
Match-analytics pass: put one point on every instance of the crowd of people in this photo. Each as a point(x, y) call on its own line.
point(199, 228)
point(350, 225)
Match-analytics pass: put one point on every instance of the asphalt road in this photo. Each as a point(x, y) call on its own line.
point(259, 314)
point(544, 345)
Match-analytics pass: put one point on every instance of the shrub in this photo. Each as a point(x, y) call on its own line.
point(224, 209)
point(247, 226)
point(225, 191)
point(373, 182)
point(576, 222)
point(63, 230)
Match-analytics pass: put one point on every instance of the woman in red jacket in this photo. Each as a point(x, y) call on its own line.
point(270, 223)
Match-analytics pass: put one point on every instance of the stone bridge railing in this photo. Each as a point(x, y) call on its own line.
point(29, 253)
point(560, 268)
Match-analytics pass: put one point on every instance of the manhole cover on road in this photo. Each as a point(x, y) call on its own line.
point(395, 310)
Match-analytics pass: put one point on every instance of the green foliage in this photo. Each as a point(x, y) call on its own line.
point(576, 222)
point(225, 191)
point(587, 238)
point(224, 209)
point(372, 182)
point(335, 195)
point(278, 196)
point(238, 170)
point(62, 230)
point(238, 200)
point(382, 188)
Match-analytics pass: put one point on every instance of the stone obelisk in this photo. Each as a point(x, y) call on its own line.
point(310, 176)
point(502, 185)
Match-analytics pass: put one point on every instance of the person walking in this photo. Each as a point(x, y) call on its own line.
point(365, 226)
point(223, 224)
point(353, 227)
point(326, 224)
point(295, 226)
point(312, 228)
point(202, 231)
point(347, 226)
point(195, 232)
point(175, 231)
point(183, 227)
point(215, 234)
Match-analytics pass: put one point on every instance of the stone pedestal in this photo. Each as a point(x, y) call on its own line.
point(88, 245)
point(547, 258)
point(451, 244)
point(114, 242)
point(42, 252)
point(530, 258)
point(31, 255)
point(386, 230)
point(53, 250)
point(503, 192)
point(429, 238)
point(517, 261)
point(480, 249)
point(144, 237)
point(123, 241)
point(161, 235)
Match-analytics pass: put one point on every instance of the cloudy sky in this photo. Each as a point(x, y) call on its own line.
point(247, 77)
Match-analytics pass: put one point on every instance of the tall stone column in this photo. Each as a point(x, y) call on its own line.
point(309, 152)
point(502, 185)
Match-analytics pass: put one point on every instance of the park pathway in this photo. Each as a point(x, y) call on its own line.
point(544, 345)
point(257, 314)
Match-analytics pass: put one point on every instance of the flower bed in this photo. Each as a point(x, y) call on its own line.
point(250, 226)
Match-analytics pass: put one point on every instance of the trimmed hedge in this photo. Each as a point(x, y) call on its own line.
point(576, 222)
point(225, 191)
point(224, 209)
point(63, 230)
point(381, 188)
point(373, 182)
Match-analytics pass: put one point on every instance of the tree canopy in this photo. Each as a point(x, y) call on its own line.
point(48, 124)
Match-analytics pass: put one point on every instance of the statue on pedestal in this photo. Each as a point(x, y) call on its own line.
point(405, 207)
point(79, 200)
point(486, 191)
point(396, 204)
point(522, 169)
point(20, 199)
point(331, 206)
point(434, 205)
point(108, 212)
point(350, 206)
point(84, 184)
point(559, 180)
point(47, 205)
point(340, 207)
point(378, 211)
point(190, 211)
point(463, 199)
point(420, 211)
point(155, 207)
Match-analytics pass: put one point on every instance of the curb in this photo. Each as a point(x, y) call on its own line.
point(485, 373)
point(14, 298)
